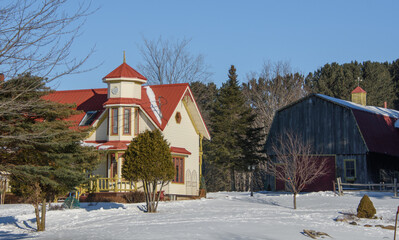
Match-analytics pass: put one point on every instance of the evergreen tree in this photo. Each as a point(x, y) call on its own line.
point(394, 72)
point(378, 84)
point(41, 151)
point(148, 159)
point(205, 96)
point(340, 80)
point(230, 120)
point(335, 80)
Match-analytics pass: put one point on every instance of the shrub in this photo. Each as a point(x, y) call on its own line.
point(135, 197)
point(366, 208)
point(105, 198)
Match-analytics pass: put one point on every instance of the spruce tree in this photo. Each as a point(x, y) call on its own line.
point(148, 159)
point(41, 150)
point(338, 81)
point(394, 72)
point(230, 119)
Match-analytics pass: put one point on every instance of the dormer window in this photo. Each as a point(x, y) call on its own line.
point(88, 119)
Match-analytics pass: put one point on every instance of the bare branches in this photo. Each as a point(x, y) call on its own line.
point(170, 62)
point(295, 163)
point(275, 87)
point(36, 37)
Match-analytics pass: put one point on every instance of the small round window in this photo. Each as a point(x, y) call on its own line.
point(178, 117)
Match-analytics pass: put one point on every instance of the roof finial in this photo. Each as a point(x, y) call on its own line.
point(358, 81)
point(124, 57)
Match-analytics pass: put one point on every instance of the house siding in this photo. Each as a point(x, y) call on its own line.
point(185, 136)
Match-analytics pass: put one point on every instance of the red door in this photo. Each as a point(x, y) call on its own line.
point(324, 183)
point(280, 184)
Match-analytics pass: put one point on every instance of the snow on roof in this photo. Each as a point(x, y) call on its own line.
point(371, 109)
point(154, 106)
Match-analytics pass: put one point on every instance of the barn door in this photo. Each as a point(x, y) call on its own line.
point(280, 184)
point(324, 183)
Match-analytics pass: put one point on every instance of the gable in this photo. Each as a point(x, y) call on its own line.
point(158, 103)
point(328, 127)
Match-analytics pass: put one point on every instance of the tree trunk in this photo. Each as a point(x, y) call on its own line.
point(43, 221)
point(146, 194)
point(232, 180)
point(37, 214)
point(295, 200)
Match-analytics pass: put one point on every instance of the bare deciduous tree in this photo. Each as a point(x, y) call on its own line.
point(168, 62)
point(36, 37)
point(275, 87)
point(295, 163)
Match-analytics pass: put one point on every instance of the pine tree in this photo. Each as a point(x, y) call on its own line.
point(230, 120)
point(40, 150)
point(394, 72)
point(378, 84)
point(148, 159)
point(340, 80)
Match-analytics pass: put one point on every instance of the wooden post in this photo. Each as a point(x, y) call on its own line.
point(98, 185)
point(116, 183)
point(334, 187)
point(339, 182)
point(395, 187)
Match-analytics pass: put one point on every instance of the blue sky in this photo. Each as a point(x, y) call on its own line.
point(307, 34)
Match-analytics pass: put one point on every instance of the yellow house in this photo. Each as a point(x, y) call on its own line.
point(126, 108)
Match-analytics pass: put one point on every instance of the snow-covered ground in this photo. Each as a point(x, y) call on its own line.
point(221, 216)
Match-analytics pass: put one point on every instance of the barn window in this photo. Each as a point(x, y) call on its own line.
point(350, 169)
point(179, 167)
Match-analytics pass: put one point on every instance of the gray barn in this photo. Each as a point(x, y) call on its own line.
point(360, 142)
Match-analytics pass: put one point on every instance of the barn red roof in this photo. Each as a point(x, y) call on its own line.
point(125, 71)
point(378, 132)
point(376, 124)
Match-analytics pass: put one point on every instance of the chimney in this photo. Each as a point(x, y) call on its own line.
point(359, 96)
point(1, 77)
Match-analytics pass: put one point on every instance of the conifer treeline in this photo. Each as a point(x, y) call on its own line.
point(239, 116)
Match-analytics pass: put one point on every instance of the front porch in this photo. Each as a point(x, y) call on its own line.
point(101, 185)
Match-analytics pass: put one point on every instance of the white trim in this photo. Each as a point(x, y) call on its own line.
point(208, 136)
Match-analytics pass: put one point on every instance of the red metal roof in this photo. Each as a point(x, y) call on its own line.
point(167, 97)
point(179, 150)
point(123, 145)
point(358, 90)
point(85, 100)
point(125, 71)
point(378, 132)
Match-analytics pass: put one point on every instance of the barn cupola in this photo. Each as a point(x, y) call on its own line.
point(124, 82)
point(359, 96)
